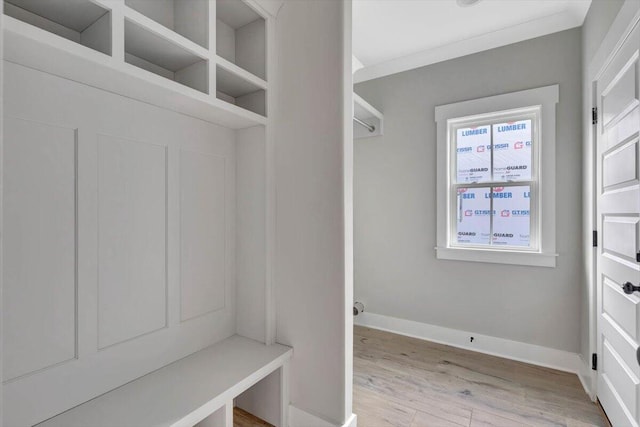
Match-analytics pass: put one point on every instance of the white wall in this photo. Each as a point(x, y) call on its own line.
point(396, 271)
point(310, 264)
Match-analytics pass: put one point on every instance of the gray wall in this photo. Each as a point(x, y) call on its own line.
point(396, 272)
point(596, 24)
point(310, 250)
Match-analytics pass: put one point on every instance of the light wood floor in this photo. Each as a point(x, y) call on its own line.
point(406, 382)
point(242, 418)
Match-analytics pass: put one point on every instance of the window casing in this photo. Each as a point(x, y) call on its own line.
point(490, 169)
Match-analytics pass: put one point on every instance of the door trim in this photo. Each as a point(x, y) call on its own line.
point(628, 17)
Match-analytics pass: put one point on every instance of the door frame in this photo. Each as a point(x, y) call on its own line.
point(625, 21)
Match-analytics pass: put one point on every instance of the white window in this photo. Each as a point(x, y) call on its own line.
point(496, 178)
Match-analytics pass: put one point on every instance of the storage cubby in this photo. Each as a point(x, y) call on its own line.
point(240, 36)
point(81, 21)
point(238, 91)
point(260, 404)
point(189, 18)
point(217, 419)
point(153, 53)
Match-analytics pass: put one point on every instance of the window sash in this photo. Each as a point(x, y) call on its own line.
point(534, 227)
point(528, 113)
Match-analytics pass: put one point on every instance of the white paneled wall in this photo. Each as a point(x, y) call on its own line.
point(203, 233)
point(40, 222)
point(120, 241)
point(132, 239)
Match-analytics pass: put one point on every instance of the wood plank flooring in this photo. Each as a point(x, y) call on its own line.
point(406, 382)
point(242, 418)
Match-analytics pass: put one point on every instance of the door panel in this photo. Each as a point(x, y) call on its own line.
point(617, 371)
point(619, 236)
point(623, 307)
point(618, 216)
point(624, 345)
point(624, 130)
point(620, 95)
point(620, 165)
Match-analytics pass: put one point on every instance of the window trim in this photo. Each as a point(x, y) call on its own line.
point(546, 99)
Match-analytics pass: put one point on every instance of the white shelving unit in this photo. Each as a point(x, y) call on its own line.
point(160, 51)
point(206, 59)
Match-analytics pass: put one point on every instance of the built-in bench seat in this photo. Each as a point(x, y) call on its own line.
point(199, 388)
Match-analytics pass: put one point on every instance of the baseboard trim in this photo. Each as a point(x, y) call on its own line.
point(523, 352)
point(300, 418)
point(587, 378)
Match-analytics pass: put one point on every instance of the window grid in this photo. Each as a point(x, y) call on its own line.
point(530, 113)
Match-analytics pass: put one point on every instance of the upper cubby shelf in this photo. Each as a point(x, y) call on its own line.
point(158, 51)
point(81, 21)
point(239, 87)
point(241, 36)
point(189, 18)
point(152, 52)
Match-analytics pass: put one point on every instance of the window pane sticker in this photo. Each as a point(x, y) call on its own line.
point(512, 218)
point(473, 154)
point(512, 151)
point(473, 220)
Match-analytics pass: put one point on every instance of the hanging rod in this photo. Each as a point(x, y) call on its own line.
point(371, 128)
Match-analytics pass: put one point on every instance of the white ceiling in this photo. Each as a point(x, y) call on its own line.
point(395, 35)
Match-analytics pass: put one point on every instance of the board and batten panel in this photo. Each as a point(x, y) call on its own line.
point(251, 232)
point(203, 233)
point(39, 251)
point(128, 242)
point(132, 237)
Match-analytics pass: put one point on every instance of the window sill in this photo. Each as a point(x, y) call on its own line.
point(534, 259)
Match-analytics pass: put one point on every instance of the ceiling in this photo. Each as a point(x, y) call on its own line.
point(390, 36)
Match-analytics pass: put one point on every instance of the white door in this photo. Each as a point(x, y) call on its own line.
point(618, 216)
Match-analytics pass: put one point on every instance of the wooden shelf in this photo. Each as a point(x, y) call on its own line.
point(80, 21)
point(184, 392)
point(35, 48)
